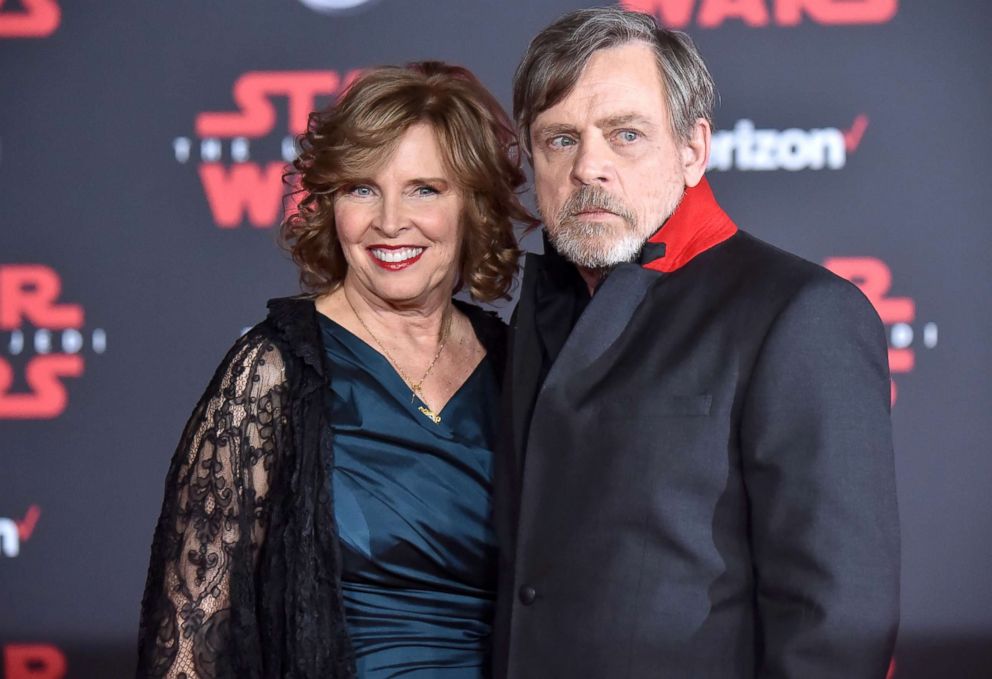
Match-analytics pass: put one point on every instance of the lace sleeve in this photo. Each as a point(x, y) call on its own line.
point(196, 609)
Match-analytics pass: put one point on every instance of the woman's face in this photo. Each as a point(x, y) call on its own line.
point(400, 227)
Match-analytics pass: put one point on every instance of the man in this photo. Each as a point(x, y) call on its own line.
point(699, 479)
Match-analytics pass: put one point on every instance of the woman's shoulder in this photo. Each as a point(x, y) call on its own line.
point(291, 326)
point(256, 359)
point(287, 338)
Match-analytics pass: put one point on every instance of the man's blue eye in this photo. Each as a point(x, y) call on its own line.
point(628, 136)
point(561, 141)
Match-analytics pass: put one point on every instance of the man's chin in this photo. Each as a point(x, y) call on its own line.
point(597, 253)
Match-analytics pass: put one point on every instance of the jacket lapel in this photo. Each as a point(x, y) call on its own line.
point(605, 317)
point(697, 225)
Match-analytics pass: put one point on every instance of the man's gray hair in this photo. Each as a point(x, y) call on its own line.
point(556, 57)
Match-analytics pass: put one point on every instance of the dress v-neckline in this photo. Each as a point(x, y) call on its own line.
point(396, 377)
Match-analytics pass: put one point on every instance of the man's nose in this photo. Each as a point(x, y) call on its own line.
point(593, 163)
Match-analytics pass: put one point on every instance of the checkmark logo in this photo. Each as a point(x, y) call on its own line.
point(25, 527)
point(854, 135)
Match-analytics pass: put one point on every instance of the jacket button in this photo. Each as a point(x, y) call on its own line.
point(527, 595)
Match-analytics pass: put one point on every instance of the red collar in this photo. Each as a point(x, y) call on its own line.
point(697, 225)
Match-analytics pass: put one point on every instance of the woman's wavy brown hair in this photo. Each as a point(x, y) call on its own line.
point(359, 132)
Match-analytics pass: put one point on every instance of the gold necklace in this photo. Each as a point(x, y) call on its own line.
point(415, 387)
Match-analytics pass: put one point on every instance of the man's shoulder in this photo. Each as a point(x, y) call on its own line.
point(761, 259)
point(753, 263)
point(776, 274)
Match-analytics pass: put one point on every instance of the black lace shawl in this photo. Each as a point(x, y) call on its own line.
point(244, 579)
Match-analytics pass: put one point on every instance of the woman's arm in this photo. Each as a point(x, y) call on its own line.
point(197, 614)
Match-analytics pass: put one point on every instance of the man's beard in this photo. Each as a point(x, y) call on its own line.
point(598, 245)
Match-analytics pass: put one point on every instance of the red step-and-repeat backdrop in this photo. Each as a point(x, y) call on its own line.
point(141, 153)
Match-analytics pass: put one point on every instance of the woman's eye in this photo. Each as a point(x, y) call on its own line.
point(426, 190)
point(360, 191)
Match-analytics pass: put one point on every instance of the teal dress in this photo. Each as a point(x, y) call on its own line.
point(413, 504)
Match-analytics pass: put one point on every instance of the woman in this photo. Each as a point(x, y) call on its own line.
point(327, 510)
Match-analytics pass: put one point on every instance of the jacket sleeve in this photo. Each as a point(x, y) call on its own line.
point(197, 614)
point(818, 462)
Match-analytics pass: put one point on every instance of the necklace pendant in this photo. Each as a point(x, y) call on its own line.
point(430, 415)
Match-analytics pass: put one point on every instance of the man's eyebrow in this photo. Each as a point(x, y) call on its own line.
point(552, 129)
point(618, 120)
point(622, 119)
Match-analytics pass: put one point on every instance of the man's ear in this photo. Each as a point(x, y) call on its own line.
point(696, 152)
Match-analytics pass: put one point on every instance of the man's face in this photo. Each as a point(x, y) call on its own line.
point(608, 170)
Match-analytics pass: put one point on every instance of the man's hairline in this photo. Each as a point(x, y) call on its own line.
point(528, 147)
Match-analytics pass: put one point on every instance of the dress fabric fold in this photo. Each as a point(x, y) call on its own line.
point(413, 506)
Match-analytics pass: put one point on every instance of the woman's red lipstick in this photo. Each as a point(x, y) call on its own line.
point(395, 257)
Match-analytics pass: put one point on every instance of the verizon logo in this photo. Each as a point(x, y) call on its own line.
point(747, 148)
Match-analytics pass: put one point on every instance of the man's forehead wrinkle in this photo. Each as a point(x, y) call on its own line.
point(591, 117)
point(610, 92)
point(589, 103)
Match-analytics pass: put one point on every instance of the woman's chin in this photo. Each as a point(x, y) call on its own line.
point(406, 294)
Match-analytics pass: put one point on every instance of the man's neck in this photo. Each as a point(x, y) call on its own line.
point(592, 277)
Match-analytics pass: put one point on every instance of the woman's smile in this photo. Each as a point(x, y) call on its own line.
point(395, 257)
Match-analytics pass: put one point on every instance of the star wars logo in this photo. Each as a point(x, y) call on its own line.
point(758, 13)
point(905, 332)
point(15, 532)
point(33, 661)
point(240, 165)
point(43, 340)
point(34, 18)
point(748, 149)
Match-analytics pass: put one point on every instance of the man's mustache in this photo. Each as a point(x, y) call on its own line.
point(590, 198)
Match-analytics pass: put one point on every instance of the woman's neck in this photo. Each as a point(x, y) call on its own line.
point(420, 323)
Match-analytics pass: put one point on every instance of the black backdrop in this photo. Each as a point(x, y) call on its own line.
point(136, 242)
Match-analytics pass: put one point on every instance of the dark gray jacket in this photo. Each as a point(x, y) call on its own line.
point(702, 486)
